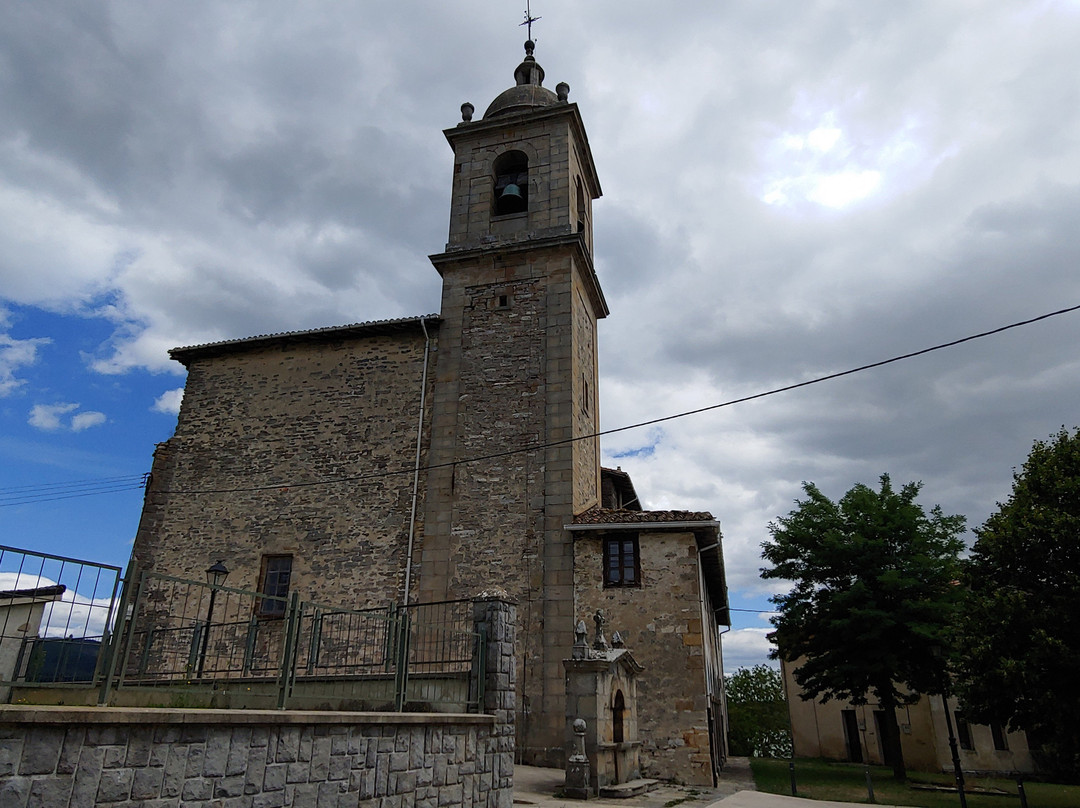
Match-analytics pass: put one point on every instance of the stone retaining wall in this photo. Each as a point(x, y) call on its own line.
point(85, 757)
point(57, 756)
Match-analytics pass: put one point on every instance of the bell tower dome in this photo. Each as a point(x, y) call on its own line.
point(514, 414)
point(525, 169)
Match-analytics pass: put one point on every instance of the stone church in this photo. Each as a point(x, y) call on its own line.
point(434, 457)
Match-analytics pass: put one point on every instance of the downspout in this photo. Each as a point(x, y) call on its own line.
point(416, 464)
point(719, 760)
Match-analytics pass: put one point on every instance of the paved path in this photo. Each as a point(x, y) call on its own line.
point(535, 786)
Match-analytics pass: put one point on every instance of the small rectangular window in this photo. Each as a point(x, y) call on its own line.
point(621, 561)
point(1001, 744)
point(963, 732)
point(274, 585)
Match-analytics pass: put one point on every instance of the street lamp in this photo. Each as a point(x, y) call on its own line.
point(215, 576)
point(958, 771)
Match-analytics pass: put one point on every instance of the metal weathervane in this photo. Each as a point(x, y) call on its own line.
point(529, 18)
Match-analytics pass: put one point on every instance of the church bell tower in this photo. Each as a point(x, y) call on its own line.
point(512, 456)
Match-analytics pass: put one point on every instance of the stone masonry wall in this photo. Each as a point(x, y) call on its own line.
point(506, 380)
point(295, 417)
point(52, 757)
point(661, 624)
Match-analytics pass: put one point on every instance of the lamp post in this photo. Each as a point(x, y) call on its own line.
point(958, 772)
point(215, 576)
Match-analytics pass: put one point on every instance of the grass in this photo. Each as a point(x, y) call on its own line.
point(846, 782)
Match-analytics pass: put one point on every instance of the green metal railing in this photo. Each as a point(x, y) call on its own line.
point(188, 634)
point(56, 619)
point(73, 623)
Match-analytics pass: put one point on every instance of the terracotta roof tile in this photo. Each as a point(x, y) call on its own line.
point(607, 516)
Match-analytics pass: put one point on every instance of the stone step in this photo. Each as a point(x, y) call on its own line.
point(631, 788)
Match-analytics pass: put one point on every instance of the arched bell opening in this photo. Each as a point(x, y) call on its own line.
point(511, 183)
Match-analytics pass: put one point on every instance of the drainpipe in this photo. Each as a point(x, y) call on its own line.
point(719, 758)
point(416, 464)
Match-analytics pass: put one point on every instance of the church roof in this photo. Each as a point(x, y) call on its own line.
point(528, 92)
point(370, 328)
point(610, 516)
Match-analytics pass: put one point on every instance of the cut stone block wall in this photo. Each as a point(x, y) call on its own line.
point(661, 621)
point(81, 757)
point(70, 756)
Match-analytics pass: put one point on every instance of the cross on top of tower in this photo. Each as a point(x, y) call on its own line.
point(529, 18)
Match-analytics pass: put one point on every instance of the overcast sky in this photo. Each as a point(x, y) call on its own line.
point(791, 189)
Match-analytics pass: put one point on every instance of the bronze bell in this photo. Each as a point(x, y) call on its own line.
point(511, 200)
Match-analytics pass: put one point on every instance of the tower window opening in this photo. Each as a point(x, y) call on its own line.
point(511, 183)
point(580, 207)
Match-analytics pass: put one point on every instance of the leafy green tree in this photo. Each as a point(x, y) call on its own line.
point(757, 713)
point(874, 592)
point(1018, 641)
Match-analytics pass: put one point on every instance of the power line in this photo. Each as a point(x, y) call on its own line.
point(9, 500)
point(70, 483)
point(51, 492)
point(538, 446)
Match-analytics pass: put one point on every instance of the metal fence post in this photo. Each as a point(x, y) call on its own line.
point(249, 645)
point(390, 651)
point(1021, 793)
point(120, 628)
point(287, 676)
point(132, 623)
point(479, 665)
point(401, 674)
point(315, 645)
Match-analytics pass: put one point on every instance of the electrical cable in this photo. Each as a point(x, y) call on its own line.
point(538, 446)
point(57, 491)
point(8, 500)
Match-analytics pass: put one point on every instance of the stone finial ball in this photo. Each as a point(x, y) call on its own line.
point(579, 726)
point(467, 111)
point(562, 90)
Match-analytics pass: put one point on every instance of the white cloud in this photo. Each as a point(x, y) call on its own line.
point(844, 183)
point(74, 614)
point(86, 420)
point(15, 354)
point(746, 647)
point(843, 188)
point(169, 401)
point(49, 417)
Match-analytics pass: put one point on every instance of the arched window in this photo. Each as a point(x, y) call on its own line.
point(618, 716)
point(511, 183)
point(580, 206)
